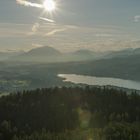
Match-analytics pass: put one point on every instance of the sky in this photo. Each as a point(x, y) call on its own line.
point(98, 25)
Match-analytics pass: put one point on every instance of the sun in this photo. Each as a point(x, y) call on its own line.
point(49, 5)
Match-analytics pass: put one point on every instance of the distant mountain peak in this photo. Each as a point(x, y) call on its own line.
point(44, 51)
point(84, 52)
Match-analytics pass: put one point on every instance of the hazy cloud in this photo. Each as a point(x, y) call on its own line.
point(137, 18)
point(36, 45)
point(64, 37)
point(47, 19)
point(55, 31)
point(103, 35)
point(27, 3)
point(13, 30)
point(35, 27)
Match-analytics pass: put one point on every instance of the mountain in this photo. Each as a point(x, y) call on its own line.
point(122, 67)
point(81, 55)
point(49, 54)
point(43, 51)
point(8, 54)
point(42, 54)
point(123, 53)
point(84, 52)
point(90, 55)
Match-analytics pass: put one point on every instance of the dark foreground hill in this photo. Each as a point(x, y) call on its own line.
point(70, 114)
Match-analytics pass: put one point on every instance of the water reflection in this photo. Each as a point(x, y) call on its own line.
point(101, 81)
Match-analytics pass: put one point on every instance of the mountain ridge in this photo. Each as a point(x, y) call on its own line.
point(50, 54)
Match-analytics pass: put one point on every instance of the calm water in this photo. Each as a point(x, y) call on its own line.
point(101, 81)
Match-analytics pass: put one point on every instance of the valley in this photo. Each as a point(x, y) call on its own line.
point(16, 75)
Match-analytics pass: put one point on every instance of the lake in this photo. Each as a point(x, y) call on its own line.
point(100, 81)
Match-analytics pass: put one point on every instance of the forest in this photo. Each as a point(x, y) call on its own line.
point(70, 113)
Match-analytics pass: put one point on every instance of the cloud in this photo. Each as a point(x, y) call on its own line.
point(35, 27)
point(46, 19)
point(64, 37)
point(103, 35)
point(137, 18)
point(13, 30)
point(55, 31)
point(30, 4)
point(36, 45)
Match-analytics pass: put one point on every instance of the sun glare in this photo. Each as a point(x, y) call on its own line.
point(49, 5)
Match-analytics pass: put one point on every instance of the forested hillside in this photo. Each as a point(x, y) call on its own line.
point(70, 114)
point(124, 68)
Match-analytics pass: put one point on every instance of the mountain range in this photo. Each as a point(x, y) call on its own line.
point(9, 54)
point(50, 55)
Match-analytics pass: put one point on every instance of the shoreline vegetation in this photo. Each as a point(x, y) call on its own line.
point(70, 113)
